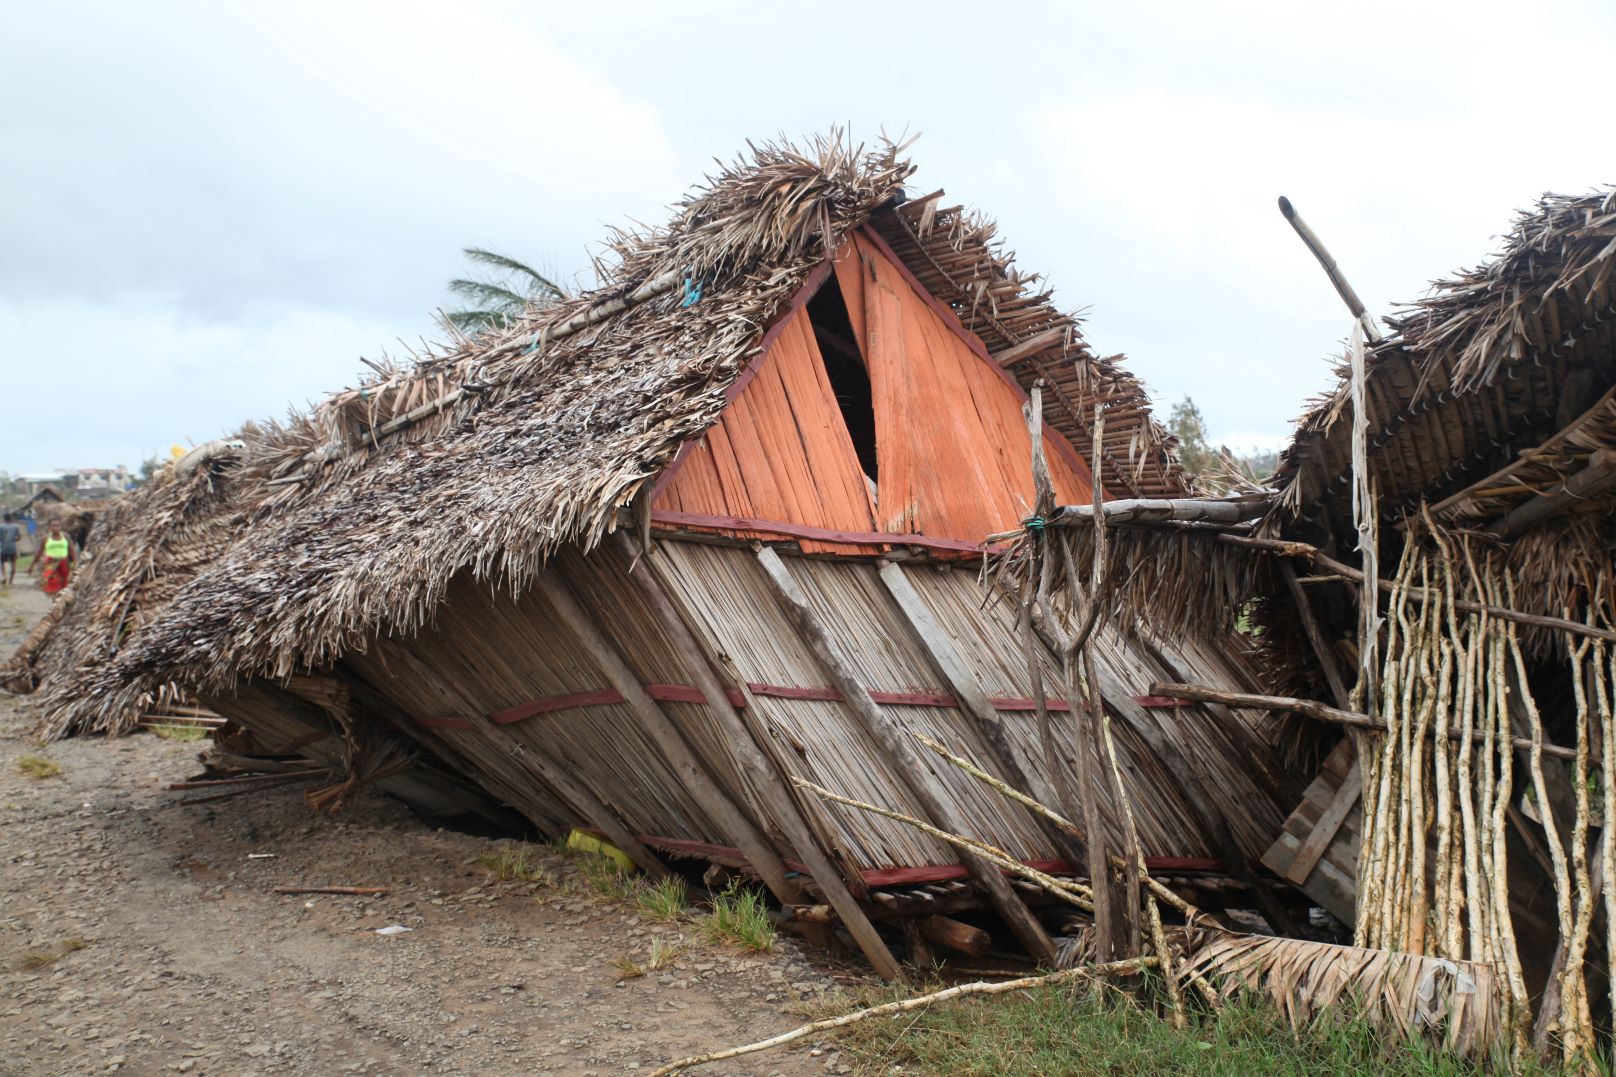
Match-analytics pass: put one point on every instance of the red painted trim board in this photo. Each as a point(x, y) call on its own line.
point(689, 693)
point(818, 534)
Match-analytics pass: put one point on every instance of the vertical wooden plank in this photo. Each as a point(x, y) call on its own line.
point(923, 784)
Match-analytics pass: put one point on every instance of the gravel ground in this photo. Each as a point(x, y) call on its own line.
point(141, 936)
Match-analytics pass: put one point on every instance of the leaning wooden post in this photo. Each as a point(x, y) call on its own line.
point(931, 794)
point(676, 753)
point(939, 646)
point(749, 756)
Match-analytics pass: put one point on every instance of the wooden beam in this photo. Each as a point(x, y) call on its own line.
point(753, 762)
point(1323, 712)
point(955, 935)
point(1323, 833)
point(970, 697)
point(1596, 478)
point(1315, 636)
point(1147, 510)
point(679, 756)
point(1031, 346)
point(1331, 270)
point(925, 786)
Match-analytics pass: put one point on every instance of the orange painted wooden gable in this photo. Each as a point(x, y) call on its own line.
point(780, 451)
point(952, 449)
point(952, 453)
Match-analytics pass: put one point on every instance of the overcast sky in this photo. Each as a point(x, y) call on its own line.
point(211, 210)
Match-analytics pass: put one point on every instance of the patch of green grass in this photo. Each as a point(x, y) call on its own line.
point(515, 863)
point(606, 878)
point(664, 899)
point(38, 767)
point(34, 960)
point(170, 731)
point(1079, 1031)
point(740, 917)
point(664, 952)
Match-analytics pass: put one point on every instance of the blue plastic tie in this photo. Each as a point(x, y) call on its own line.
point(692, 292)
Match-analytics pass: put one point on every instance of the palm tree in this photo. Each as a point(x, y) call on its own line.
point(496, 302)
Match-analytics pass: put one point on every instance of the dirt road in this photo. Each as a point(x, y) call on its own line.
point(141, 936)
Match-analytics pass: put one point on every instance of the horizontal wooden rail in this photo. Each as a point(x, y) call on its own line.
point(689, 693)
point(670, 518)
point(1321, 711)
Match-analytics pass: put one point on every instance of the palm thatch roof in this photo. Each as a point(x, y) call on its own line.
point(496, 451)
point(1490, 365)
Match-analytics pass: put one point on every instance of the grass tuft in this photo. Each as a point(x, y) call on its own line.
point(740, 917)
point(664, 952)
point(514, 863)
point(34, 960)
point(606, 878)
point(172, 731)
point(38, 767)
point(663, 900)
point(1084, 1031)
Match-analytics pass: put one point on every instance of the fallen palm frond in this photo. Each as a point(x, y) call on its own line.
point(1459, 1004)
point(1088, 972)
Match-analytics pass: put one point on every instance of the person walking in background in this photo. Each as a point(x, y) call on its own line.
point(10, 541)
point(54, 561)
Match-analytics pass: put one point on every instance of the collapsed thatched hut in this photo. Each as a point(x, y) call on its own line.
point(1450, 593)
point(636, 561)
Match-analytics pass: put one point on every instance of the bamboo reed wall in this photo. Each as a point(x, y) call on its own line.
point(487, 652)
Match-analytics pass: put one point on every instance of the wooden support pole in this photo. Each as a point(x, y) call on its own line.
point(931, 794)
point(665, 735)
point(1315, 636)
point(766, 782)
point(1164, 510)
point(1331, 270)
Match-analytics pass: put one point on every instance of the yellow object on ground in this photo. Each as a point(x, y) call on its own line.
point(588, 843)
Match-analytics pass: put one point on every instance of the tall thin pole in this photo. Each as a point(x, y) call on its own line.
point(1331, 270)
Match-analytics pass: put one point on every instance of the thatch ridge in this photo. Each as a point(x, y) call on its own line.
point(495, 451)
